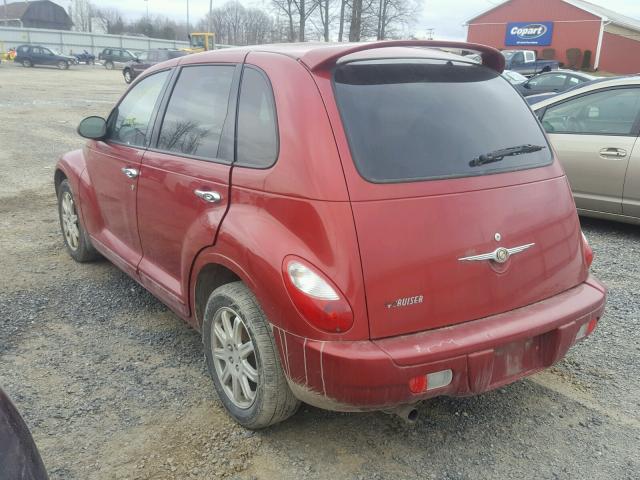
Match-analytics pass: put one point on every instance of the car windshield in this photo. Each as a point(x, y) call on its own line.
point(412, 120)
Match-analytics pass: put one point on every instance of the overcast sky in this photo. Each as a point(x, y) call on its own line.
point(445, 16)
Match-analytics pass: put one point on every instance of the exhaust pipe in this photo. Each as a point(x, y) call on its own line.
point(408, 413)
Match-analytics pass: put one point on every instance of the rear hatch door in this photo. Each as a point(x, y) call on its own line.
point(449, 167)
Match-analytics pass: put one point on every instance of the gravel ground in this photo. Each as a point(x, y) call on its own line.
point(114, 386)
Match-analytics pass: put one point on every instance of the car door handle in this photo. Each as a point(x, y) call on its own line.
point(130, 172)
point(208, 196)
point(613, 153)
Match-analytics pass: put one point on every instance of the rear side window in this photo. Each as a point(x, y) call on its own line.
point(409, 120)
point(257, 125)
point(197, 111)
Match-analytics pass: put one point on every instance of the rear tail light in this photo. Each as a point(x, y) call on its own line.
point(316, 298)
point(587, 251)
point(431, 381)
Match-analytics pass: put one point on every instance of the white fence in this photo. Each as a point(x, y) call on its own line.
point(66, 41)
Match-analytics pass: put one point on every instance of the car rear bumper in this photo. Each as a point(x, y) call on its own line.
point(481, 354)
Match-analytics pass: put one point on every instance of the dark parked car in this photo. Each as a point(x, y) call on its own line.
point(30, 55)
point(148, 59)
point(19, 456)
point(85, 57)
point(355, 226)
point(553, 82)
point(115, 57)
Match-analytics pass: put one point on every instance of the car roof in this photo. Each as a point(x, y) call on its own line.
point(589, 86)
point(321, 55)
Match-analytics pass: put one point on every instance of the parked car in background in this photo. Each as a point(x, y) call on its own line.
point(85, 57)
point(526, 63)
point(148, 59)
point(479, 277)
point(115, 57)
point(553, 82)
point(594, 130)
point(514, 78)
point(19, 456)
point(32, 55)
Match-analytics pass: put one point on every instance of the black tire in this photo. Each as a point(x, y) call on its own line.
point(83, 251)
point(128, 76)
point(108, 65)
point(62, 65)
point(274, 401)
point(27, 63)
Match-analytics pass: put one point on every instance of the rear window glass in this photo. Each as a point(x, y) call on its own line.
point(409, 120)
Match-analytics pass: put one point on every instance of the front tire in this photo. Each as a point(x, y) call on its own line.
point(62, 65)
point(242, 359)
point(27, 63)
point(76, 239)
point(128, 78)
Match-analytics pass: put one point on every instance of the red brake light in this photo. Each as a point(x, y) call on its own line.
point(315, 297)
point(587, 251)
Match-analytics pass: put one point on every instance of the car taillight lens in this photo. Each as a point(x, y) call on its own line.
point(316, 298)
point(587, 251)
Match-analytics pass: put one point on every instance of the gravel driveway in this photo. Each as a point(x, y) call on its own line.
point(114, 386)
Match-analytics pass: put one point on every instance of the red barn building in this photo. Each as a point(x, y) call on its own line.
point(554, 27)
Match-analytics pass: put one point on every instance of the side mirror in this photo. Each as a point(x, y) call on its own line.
point(94, 128)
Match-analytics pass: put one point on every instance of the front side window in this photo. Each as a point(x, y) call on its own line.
point(257, 125)
point(197, 111)
point(130, 122)
point(410, 120)
point(608, 112)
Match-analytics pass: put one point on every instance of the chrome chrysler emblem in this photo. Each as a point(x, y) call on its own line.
point(499, 255)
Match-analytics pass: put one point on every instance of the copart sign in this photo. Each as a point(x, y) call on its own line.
point(534, 33)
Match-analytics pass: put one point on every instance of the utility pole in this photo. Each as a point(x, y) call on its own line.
point(210, 13)
point(147, 2)
point(188, 27)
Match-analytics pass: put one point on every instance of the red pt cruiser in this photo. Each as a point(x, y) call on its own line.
point(355, 226)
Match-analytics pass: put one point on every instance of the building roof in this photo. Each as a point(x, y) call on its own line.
point(604, 13)
point(14, 10)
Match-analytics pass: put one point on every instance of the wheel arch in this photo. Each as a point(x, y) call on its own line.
point(210, 271)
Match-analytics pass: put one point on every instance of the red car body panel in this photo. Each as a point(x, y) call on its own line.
point(174, 224)
point(376, 242)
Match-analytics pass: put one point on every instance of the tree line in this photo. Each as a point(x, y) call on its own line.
point(282, 21)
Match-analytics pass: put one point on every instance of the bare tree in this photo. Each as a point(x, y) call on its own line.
point(344, 4)
point(289, 9)
point(81, 12)
point(393, 15)
point(234, 24)
point(112, 19)
point(326, 15)
point(303, 15)
point(355, 28)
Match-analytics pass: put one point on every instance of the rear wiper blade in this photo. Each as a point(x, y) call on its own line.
point(498, 155)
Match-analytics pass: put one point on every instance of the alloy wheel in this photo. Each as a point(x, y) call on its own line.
point(234, 357)
point(70, 226)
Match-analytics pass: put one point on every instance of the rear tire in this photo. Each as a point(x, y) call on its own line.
point(269, 399)
point(108, 65)
point(76, 239)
